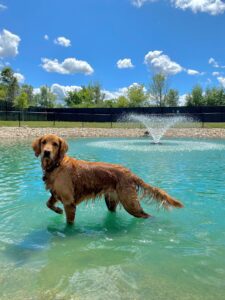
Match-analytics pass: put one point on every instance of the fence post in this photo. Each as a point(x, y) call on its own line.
point(54, 119)
point(19, 118)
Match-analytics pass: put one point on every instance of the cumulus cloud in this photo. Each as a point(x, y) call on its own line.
point(213, 7)
point(119, 92)
point(61, 90)
point(62, 41)
point(215, 64)
point(182, 100)
point(46, 37)
point(215, 73)
point(68, 66)
point(221, 81)
point(193, 72)
point(140, 3)
point(19, 77)
point(161, 63)
point(124, 63)
point(9, 43)
point(3, 7)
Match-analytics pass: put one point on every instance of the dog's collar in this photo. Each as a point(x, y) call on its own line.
point(49, 170)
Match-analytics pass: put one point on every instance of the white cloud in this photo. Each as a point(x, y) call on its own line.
point(140, 3)
point(62, 41)
point(9, 43)
point(19, 77)
point(68, 66)
point(46, 37)
point(36, 91)
point(124, 63)
point(194, 72)
point(62, 90)
point(215, 64)
point(3, 7)
point(215, 73)
point(213, 7)
point(221, 81)
point(161, 63)
point(182, 100)
point(119, 92)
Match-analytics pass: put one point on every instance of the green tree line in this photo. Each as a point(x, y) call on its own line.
point(156, 94)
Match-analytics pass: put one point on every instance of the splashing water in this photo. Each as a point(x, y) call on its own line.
point(157, 126)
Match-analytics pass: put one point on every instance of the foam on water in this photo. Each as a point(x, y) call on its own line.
point(144, 145)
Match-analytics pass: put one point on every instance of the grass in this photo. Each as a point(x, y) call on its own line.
point(39, 124)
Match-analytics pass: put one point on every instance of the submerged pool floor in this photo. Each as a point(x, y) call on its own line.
point(174, 255)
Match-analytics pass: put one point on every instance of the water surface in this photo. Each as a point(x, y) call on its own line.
point(175, 255)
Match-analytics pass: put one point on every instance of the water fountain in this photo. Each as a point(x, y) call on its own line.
point(156, 126)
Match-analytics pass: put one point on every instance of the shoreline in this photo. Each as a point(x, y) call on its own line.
point(27, 132)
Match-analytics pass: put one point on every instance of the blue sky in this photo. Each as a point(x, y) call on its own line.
point(115, 42)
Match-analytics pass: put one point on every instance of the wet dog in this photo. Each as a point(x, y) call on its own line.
point(72, 181)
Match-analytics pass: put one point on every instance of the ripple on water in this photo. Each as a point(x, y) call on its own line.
point(177, 255)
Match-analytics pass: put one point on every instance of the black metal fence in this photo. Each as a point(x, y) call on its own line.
point(202, 114)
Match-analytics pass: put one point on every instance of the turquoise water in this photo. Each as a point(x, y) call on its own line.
point(174, 255)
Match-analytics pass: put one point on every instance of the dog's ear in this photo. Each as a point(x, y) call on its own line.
point(63, 148)
point(36, 145)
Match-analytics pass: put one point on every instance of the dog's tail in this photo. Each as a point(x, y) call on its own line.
point(157, 194)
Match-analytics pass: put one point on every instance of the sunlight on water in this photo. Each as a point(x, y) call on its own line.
point(175, 255)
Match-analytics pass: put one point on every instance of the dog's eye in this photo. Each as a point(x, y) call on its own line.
point(55, 144)
point(43, 142)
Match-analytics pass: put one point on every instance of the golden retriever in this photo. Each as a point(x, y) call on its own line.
point(72, 181)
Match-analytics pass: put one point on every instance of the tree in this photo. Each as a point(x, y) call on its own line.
point(6, 76)
point(88, 96)
point(97, 95)
point(109, 103)
point(214, 96)
point(136, 96)
point(196, 97)
point(10, 82)
point(3, 93)
point(28, 89)
point(171, 98)
point(158, 89)
point(122, 101)
point(73, 98)
point(45, 98)
point(22, 101)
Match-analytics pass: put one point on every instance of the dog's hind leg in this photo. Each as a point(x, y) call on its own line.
point(111, 201)
point(129, 199)
point(51, 204)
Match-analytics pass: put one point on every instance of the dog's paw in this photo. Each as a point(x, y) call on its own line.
point(59, 210)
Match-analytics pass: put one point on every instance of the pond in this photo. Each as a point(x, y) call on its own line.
point(173, 255)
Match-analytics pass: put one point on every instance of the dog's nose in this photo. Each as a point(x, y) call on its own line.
point(46, 153)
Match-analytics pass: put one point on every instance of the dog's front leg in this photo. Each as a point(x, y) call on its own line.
point(70, 210)
point(51, 204)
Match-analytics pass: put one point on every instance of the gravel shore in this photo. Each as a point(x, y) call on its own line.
point(26, 132)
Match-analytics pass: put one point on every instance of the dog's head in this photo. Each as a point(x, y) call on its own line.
point(51, 148)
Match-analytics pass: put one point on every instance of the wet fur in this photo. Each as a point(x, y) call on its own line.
point(72, 181)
